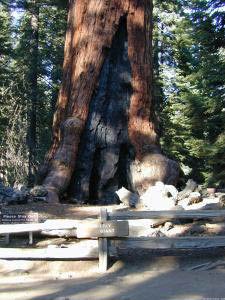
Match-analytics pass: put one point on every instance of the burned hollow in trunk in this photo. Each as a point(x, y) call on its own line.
point(103, 157)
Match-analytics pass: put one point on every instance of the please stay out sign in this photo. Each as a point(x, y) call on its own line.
point(18, 218)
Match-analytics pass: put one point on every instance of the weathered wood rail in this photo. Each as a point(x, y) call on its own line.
point(112, 234)
point(166, 214)
point(118, 215)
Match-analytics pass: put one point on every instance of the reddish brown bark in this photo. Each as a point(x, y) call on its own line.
point(141, 129)
point(59, 115)
point(92, 25)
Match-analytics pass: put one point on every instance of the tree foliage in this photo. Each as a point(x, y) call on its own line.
point(191, 62)
point(19, 63)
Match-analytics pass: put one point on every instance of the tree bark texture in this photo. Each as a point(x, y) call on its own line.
point(104, 128)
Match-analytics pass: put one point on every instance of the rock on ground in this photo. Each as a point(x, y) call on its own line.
point(159, 197)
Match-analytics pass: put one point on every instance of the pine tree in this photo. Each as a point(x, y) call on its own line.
point(34, 63)
point(40, 55)
point(194, 98)
point(5, 62)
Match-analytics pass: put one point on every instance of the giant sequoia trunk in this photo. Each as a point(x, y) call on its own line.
point(104, 129)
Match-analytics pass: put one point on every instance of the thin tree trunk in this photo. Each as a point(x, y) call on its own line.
point(105, 127)
point(33, 76)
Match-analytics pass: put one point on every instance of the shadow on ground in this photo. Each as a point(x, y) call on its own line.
point(158, 278)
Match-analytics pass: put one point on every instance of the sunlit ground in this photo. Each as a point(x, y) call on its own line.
point(172, 278)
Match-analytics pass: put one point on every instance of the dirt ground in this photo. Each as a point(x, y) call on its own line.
point(156, 278)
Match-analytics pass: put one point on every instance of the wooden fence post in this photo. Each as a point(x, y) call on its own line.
point(31, 238)
point(7, 239)
point(103, 245)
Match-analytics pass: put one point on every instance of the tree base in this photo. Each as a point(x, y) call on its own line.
point(154, 167)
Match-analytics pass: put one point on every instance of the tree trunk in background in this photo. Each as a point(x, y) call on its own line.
point(33, 76)
point(104, 128)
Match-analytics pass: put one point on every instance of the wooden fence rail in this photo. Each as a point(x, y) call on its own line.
point(166, 214)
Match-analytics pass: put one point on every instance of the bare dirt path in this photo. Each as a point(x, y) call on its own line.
point(158, 278)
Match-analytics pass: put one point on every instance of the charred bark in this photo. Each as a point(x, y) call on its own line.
point(104, 130)
point(103, 151)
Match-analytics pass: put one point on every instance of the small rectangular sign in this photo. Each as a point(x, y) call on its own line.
point(103, 229)
point(7, 218)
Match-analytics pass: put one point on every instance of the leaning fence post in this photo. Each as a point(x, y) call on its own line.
point(103, 245)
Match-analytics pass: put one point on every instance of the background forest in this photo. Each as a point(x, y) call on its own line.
point(189, 84)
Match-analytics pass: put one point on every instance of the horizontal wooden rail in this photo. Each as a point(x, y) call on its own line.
point(128, 246)
point(68, 228)
point(66, 224)
point(78, 252)
point(166, 214)
point(38, 227)
point(169, 243)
